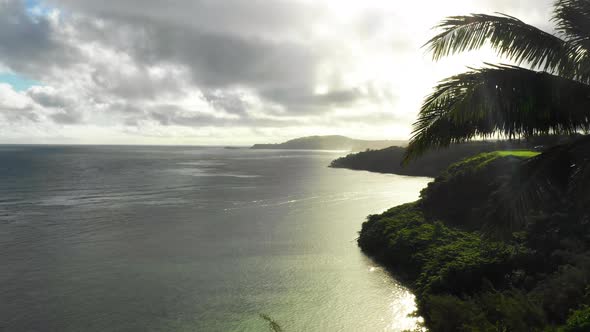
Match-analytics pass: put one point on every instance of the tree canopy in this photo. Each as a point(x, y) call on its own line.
point(546, 92)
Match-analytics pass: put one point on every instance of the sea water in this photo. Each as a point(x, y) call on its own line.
point(113, 238)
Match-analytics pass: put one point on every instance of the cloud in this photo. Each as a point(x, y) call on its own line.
point(28, 43)
point(140, 69)
point(12, 100)
point(255, 18)
point(16, 107)
point(47, 97)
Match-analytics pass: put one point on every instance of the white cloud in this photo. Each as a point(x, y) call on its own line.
point(10, 99)
point(220, 72)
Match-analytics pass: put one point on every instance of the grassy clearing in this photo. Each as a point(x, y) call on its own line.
point(518, 153)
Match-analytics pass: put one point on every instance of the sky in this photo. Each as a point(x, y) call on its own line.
point(224, 72)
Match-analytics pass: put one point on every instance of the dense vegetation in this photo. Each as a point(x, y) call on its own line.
point(534, 277)
point(498, 243)
point(430, 164)
point(551, 96)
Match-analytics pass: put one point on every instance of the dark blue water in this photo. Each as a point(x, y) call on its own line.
point(191, 239)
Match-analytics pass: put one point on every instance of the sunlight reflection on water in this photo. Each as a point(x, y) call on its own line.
point(173, 239)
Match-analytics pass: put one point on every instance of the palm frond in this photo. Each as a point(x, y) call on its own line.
point(509, 36)
point(560, 175)
point(509, 101)
point(572, 18)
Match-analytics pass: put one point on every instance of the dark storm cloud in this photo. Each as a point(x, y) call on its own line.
point(231, 102)
point(259, 46)
point(67, 118)
point(64, 110)
point(47, 99)
point(27, 42)
point(175, 116)
point(304, 100)
point(20, 36)
point(223, 44)
point(235, 17)
point(221, 63)
point(135, 85)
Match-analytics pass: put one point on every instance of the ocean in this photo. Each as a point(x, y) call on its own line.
point(145, 238)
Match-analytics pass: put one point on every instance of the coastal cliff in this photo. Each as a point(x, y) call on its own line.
point(433, 162)
point(472, 268)
point(389, 160)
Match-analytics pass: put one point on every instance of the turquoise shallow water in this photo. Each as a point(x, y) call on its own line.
point(192, 239)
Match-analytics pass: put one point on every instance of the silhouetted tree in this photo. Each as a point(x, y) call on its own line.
point(506, 100)
point(550, 96)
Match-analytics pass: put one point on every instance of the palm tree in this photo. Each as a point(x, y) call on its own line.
point(551, 96)
point(547, 92)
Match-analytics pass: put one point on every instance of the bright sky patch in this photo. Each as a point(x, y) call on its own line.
point(37, 8)
point(17, 82)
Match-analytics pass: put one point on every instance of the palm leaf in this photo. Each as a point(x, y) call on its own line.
point(514, 102)
point(573, 22)
point(509, 36)
point(560, 175)
point(573, 19)
point(508, 101)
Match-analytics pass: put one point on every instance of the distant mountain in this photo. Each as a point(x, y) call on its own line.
point(330, 143)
